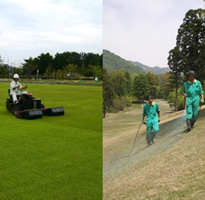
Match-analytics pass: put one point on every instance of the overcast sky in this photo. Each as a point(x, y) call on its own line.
point(144, 30)
point(31, 27)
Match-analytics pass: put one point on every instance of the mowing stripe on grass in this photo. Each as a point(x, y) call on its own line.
point(53, 157)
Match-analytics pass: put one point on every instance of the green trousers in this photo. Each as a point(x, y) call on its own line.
point(152, 126)
point(192, 107)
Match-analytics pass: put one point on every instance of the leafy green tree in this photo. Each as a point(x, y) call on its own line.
point(71, 70)
point(118, 82)
point(133, 75)
point(91, 61)
point(29, 66)
point(44, 62)
point(172, 99)
point(60, 61)
point(17, 70)
point(190, 44)
point(117, 89)
point(165, 84)
point(3, 70)
point(86, 64)
point(141, 86)
point(108, 93)
point(98, 72)
point(128, 82)
point(175, 64)
point(153, 83)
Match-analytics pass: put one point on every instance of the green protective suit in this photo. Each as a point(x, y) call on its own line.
point(192, 101)
point(150, 111)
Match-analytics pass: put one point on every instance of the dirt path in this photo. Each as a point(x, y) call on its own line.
point(119, 134)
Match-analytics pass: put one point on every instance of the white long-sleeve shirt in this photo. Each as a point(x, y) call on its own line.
point(15, 84)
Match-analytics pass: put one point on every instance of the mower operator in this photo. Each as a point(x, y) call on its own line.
point(16, 88)
point(191, 90)
point(152, 113)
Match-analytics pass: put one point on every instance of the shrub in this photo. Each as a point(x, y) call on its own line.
point(172, 99)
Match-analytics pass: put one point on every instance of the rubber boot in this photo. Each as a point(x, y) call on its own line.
point(148, 140)
point(192, 123)
point(188, 121)
point(152, 138)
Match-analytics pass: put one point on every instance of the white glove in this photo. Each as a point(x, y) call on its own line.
point(202, 100)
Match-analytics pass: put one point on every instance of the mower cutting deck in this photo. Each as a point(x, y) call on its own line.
point(29, 107)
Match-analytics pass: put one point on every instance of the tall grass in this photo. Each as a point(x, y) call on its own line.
point(53, 157)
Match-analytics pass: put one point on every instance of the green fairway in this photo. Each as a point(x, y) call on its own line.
point(53, 157)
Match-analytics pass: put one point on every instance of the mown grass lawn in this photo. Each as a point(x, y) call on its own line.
point(53, 157)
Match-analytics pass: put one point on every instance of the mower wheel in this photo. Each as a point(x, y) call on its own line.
point(15, 109)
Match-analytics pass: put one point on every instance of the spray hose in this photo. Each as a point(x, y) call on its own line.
point(135, 139)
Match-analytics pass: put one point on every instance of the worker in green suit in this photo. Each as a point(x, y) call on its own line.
point(152, 113)
point(192, 90)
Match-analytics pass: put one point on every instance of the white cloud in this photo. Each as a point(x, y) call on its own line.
point(146, 30)
point(51, 26)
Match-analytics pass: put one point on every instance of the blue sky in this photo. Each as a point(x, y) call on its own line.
point(31, 27)
point(144, 31)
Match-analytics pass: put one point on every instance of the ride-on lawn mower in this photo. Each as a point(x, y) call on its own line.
point(28, 107)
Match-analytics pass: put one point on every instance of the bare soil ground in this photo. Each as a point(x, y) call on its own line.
point(160, 171)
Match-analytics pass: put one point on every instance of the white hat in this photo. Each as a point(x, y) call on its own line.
point(16, 76)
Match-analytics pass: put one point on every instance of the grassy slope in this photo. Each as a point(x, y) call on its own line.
point(175, 173)
point(53, 157)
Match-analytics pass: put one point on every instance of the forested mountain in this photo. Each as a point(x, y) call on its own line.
point(114, 62)
point(155, 70)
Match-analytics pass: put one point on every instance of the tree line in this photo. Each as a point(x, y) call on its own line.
point(120, 88)
point(59, 66)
